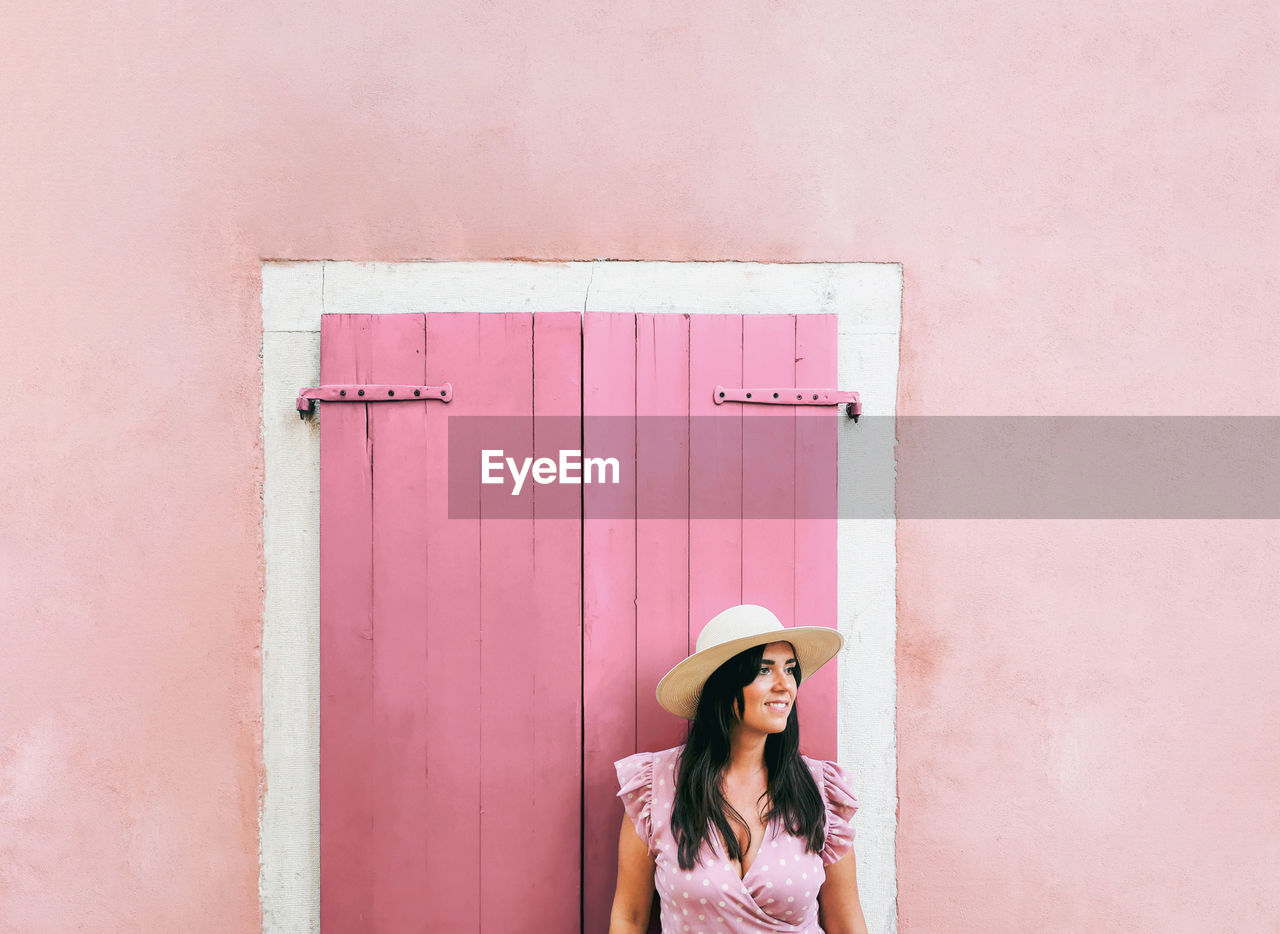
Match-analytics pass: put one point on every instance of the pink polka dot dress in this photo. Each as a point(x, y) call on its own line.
point(780, 890)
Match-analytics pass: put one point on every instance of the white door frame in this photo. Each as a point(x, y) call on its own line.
point(867, 299)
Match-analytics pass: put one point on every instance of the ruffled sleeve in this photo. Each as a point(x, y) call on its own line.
point(840, 806)
point(635, 778)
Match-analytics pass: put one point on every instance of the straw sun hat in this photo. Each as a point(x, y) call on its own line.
point(736, 630)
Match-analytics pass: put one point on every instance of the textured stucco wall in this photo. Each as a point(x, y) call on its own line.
point(1083, 201)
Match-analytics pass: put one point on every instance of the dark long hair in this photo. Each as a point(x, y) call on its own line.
point(700, 805)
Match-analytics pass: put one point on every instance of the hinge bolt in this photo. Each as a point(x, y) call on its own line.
point(417, 392)
point(391, 392)
point(360, 392)
point(342, 392)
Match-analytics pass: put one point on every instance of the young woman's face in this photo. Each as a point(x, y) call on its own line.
point(767, 701)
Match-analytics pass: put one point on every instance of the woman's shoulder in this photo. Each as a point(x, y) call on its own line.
point(668, 755)
point(660, 763)
point(663, 764)
point(839, 803)
point(832, 780)
point(646, 785)
point(817, 766)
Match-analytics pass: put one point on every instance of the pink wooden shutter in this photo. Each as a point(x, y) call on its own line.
point(450, 648)
point(651, 579)
point(476, 689)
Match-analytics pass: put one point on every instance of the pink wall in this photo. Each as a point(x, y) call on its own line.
point(1082, 198)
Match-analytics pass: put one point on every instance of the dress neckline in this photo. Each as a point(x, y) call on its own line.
point(764, 838)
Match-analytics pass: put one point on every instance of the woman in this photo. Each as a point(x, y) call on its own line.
point(736, 830)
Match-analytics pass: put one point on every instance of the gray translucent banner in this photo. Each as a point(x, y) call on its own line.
point(823, 466)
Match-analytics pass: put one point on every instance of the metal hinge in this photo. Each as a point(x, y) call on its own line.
point(370, 392)
point(792, 396)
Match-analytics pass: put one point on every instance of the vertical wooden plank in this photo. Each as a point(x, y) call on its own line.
point(508, 822)
point(452, 696)
point(397, 444)
point(346, 631)
point(815, 535)
point(454, 699)
point(555, 773)
point(609, 622)
point(715, 474)
point(768, 468)
point(662, 526)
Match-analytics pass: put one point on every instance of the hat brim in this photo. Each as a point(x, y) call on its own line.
point(681, 687)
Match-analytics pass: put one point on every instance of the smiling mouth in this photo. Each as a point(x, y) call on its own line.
point(778, 706)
